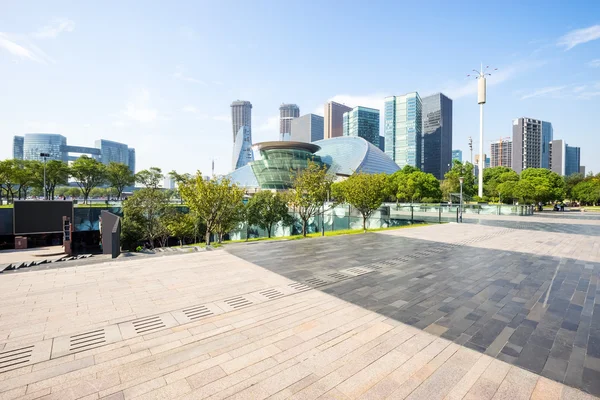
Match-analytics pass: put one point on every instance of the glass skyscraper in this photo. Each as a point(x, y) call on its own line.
point(572, 160)
point(307, 128)
point(457, 155)
point(242, 148)
point(287, 112)
point(436, 149)
point(362, 122)
point(112, 152)
point(403, 129)
point(18, 142)
point(547, 137)
point(36, 143)
point(131, 160)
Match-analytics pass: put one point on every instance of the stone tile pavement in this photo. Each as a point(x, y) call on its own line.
point(380, 331)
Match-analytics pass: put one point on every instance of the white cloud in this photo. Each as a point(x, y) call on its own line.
point(579, 36)
point(179, 74)
point(578, 89)
point(138, 108)
point(24, 49)
point(190, 109)
point(594, 63)
point(53, 30)
point(543, 91)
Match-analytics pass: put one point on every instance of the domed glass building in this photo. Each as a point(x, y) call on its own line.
point(275, 163)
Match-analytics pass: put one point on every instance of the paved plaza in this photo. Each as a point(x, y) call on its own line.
point(497, 308)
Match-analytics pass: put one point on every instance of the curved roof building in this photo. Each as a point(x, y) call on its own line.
point(275, 162)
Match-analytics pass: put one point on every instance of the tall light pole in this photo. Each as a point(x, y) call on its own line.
point(461, 179)
point(481, 95)
point(44, 156)
point(471, 148)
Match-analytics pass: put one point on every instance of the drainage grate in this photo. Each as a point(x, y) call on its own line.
point(358, 271)
point(339, 276)
point(238, 302)
point(149, 324)
point(86, 341)
point(315, 282)
point(271, 294)
point(299, 286)
point(197, 312)
point(13, 358)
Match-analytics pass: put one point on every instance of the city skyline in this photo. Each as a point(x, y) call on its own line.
point(172, 105)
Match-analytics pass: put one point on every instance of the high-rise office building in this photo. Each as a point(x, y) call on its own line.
point(131, 162)
point(287, 112)
point(403, 129)
point(565, 160)
point(530, 144)
point(382, 143)
point(242, 148)
point(334, 115)
point(112, 152)
point(362, 122)
point(307, 128)
point(582, 170)
point(457, 155)
point(501, 153)
point(241, 115)
point(53, 144)
point(18, 142)
point(436, 148)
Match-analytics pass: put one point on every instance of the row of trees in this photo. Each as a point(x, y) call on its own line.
point(18, 177)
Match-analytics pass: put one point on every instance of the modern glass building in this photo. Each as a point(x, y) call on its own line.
point(18, 142)
point(36, 143)
point(242, 148)
point(287, 112)
point(436, 151)
point(382, 143)
point(572, 160)
point(112, 152)
point(362, 122)
point(457, 155)
point(307, 128)
point(241, 115)
point(343, 155)
point(547, 137)
point(278, 162)
point(403, 129)
point(131, 160)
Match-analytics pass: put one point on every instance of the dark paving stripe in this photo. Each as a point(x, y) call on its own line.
point(501, 303)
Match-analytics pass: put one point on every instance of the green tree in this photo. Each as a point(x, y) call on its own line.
point(266, 209)
point(182, 226)
point(6, 180)
point(150, 178)
point(119, 176)
point(24, 176)
point(73, 192)
point(88, 173)
point(365, 192)
point(452, 181)
point(587, 191)
point(213, 201)
point(232, 216)
point(541, 185)
point(411, 184)
point(146, 214)
point(570, 182)
point(57, 173)
point(493, 177)
point(310, 190)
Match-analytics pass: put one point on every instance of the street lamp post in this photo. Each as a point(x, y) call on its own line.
point(44, 156)
point(481, 97)
point(461, 179)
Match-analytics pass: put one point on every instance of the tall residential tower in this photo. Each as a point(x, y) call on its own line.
point(402, 128)
point(241, 115)
point(436, 151)
point(334, 115)
point(287, 112)
point(362, 122)
point(501, 153)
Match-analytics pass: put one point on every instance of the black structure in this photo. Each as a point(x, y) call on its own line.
point(36, 217)
point(110, 232)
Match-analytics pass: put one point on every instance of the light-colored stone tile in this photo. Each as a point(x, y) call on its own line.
point(143, 388)
point(545, 389)
point(172, 391)
point(518, 384)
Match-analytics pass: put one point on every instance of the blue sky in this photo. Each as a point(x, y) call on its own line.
point(161, 77)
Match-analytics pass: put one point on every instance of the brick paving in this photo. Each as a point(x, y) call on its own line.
point(448, 311)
